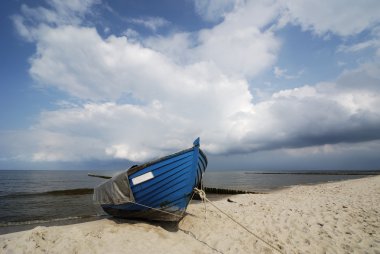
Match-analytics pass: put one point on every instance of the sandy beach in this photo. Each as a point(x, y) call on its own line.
point(340, 217)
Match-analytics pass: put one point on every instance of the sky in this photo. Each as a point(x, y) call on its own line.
point(266, 85)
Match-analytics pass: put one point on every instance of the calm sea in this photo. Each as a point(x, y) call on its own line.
point(32, 197)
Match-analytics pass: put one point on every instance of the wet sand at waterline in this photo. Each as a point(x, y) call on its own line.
point(339, 217)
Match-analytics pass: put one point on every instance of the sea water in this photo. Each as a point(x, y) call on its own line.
point(33, 197)
point(29, 197)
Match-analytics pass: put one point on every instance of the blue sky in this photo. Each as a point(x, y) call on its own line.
point(265, 84)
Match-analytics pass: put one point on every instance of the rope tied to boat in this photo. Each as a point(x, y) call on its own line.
point(202, 195)
point(158, 210)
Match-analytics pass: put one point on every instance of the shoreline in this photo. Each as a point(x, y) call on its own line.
point(25, 226)
point(338, 217)
point(319, 172)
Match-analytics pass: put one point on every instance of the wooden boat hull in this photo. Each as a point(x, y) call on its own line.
point(162, 189)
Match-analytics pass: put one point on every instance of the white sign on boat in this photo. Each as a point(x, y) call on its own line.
point(142, 178)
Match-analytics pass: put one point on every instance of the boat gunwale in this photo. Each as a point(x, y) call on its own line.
point(135, 169)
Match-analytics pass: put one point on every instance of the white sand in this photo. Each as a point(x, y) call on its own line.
point(341, 217)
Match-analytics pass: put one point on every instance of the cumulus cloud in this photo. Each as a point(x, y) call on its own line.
point(326, 113)
point(141, 98)
point(244, 52)
point(166, 99)
point(239, 46)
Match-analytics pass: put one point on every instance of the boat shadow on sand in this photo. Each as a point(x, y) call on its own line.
point(170, 226)
point(213, 194)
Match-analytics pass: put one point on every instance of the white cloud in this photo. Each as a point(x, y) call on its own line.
point(309, 116)
point(177, 46)
point(188, 85)
point(341, 111)
point(69, 12)
point(238, 46)
point(283, 73)
point(131, 34)
point(152, 23)
point(359, 46)
point(214, 10)
point(341, 17)
point(372, 43)
point(242, 51)
point(175, 100)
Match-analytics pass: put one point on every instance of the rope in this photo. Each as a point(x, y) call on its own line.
point(162, 211)
point(159, 210)
point(202, 194)
point(203, 197)
point(199, 240)
point(179, 216)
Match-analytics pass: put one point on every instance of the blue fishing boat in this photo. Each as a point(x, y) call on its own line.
point(157, 190)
